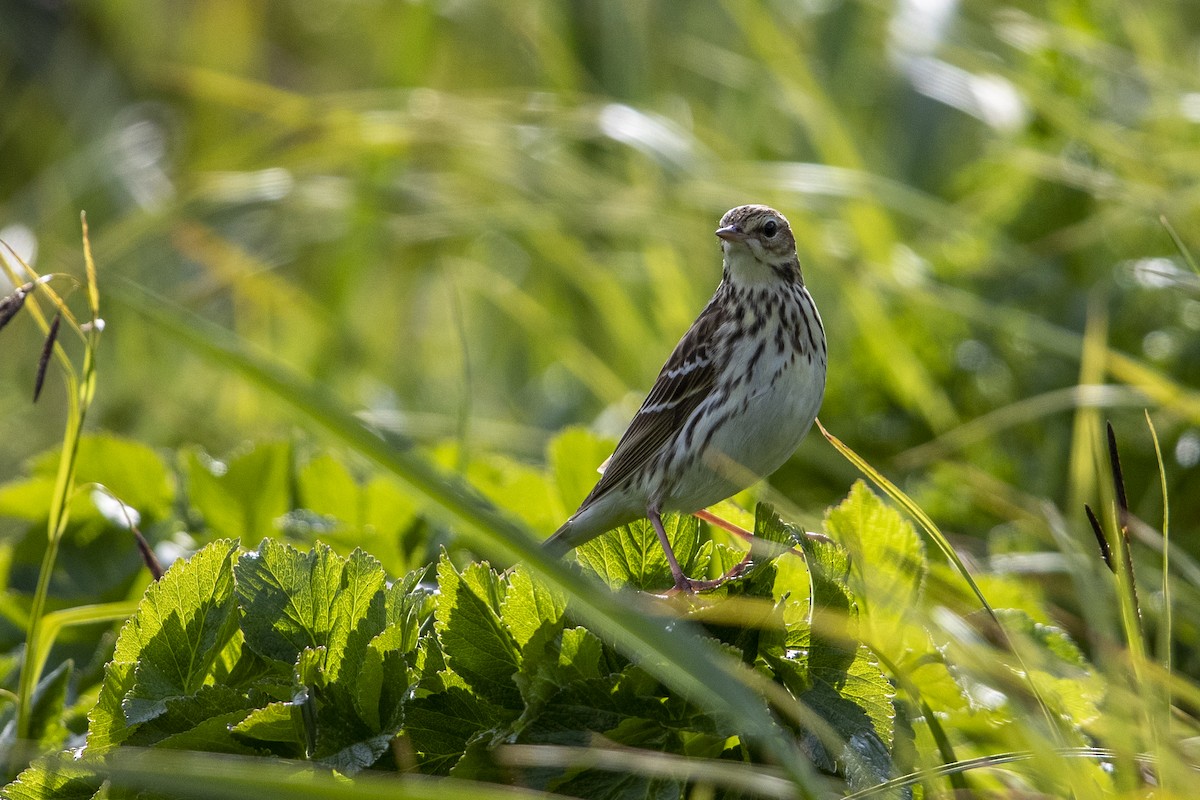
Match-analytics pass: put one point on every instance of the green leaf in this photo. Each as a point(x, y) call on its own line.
point(864, 685)
point(833, 613)
point(326, 487)
point(531, 607)
point(1052, 640)
point(27, 499)
point(292, 600)
point(475, 642)
point(632, 555)
point(582, 655)
point(183, 714)
point(887, 557)
point(382, 683)
point(130, 470)
point(859, 709)
point(344, 741)
point(362, 615)
point(438, 727)
point(214, 735)
point(244, 496)
point(575, 456)
point(822, 661)
point(178, 631)
point(46, 709)
point(1060, 670)
point(274, 723)
point(54, 778)
point(581, 708)
point(519, 489)
point(385, 676)
point(107, 726)
point(308, 671)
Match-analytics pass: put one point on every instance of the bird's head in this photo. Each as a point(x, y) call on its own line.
point(758, 245)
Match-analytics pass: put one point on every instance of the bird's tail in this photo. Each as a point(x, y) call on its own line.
point(562, 540)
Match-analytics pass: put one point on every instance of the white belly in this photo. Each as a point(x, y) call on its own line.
point(755, 442)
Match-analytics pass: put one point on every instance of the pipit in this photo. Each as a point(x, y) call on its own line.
point(731, 404)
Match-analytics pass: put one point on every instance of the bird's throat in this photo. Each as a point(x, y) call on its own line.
point(743, 269)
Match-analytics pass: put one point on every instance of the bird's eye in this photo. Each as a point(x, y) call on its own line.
point(770, 229)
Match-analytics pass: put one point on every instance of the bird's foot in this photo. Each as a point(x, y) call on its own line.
point(686, 585)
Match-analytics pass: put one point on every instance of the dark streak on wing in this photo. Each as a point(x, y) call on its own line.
point(678, 395)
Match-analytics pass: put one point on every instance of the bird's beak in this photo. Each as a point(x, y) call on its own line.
point(731, 233)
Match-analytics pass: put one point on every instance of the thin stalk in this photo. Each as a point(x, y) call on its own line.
point(79, 399)
point(1166, 625)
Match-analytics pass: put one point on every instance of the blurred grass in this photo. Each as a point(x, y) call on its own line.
point(976, 188)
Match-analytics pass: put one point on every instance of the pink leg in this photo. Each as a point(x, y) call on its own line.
point(724, 524)
point(682, 583)
point(738, 530)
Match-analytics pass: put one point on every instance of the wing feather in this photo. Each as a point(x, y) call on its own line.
point(685, 381)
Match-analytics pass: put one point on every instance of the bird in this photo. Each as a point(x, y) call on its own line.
point(732, 402)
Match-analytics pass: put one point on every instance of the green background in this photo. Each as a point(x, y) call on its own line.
point(483, 221)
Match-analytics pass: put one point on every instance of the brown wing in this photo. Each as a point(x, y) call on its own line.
point(685, 380)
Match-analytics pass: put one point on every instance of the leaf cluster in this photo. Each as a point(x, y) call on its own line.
point(459, 669)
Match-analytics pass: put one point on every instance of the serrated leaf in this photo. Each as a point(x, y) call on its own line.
point(213, 735)
point(829, 570)
point(770, 527)
point(272, 723)
point(107, 726)
point(833, 618)
point(1051, 640)
point(632, 556)
point(857, 704)
point(185, 713)
point(865, 685)
point(293, 600)
point(581, 654)
point(362, 614)
point(822, 660)
point(54, 778)
point(385, 677)
point(530, 607)
point(382, 685)
point(438, 727)
point(788, 571)
point(477, 763)
point(308, 669)
point(474, 641)
point(343, 740)
point(243, 496)
point(178, 631)
point(581, 708)
point(887, 557)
